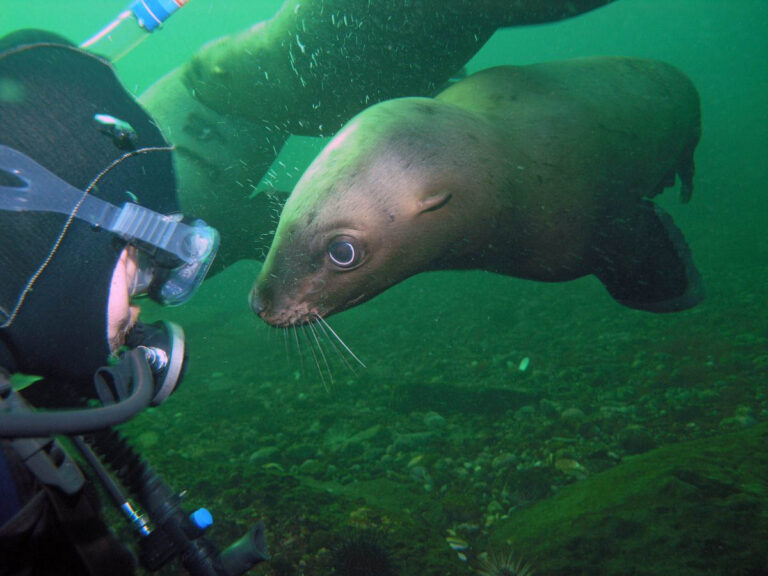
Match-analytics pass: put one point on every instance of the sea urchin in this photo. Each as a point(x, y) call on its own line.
point(500, 565)
point(363, 553)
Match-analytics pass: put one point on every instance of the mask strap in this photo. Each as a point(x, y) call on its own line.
point(9, 154)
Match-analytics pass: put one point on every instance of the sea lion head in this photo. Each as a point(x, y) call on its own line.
point(370, 211)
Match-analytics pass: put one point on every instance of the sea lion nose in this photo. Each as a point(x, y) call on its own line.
point(257, 305)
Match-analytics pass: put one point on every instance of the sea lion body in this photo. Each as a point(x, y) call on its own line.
point(541, 172)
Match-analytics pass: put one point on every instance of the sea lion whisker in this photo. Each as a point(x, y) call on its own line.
point(286, 340)
point(327, 336)
point(298, 346)
point(320, 350)
point(338, 338)
point(314, 356)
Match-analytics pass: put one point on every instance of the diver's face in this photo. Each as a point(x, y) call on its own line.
point(121, 316)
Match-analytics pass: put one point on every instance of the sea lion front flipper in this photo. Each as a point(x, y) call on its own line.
point(645, 263)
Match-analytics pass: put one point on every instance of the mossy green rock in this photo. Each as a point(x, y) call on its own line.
point(694, 508)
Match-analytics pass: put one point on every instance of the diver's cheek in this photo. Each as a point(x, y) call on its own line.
point(120, 314)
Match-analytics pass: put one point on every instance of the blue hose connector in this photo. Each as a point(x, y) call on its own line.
point(201, 518)
point(152, 13)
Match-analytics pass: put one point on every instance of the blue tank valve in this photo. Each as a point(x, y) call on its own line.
point(201, 518)
point(131, 27)
point(152, 13)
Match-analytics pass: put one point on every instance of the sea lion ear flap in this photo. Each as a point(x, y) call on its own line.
point(433, 201)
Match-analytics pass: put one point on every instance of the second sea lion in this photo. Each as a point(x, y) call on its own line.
point(542, 172)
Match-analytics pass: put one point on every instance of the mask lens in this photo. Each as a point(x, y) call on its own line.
point(143, 274)
point(173, 285)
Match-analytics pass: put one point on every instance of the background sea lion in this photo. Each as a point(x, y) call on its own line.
point(317, 63)
point(541, 172)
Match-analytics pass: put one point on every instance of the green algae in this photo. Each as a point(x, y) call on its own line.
point(698, 507)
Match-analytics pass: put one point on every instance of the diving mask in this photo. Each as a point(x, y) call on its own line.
point(175, 255)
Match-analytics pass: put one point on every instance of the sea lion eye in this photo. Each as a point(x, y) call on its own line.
point(343, 253)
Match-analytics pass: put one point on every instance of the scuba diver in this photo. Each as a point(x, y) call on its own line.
point(88, 221)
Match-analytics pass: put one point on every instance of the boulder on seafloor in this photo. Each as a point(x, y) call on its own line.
point(692, 508)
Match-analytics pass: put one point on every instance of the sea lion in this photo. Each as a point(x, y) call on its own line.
point(542, 172)
point(317, 63)
point(219, 161)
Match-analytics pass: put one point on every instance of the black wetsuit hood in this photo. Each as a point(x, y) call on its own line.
point(49, 94)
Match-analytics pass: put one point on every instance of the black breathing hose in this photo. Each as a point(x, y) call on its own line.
point(27, 424)
point(174, 533)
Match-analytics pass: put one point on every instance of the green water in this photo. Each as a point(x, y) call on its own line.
point(443, 432)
